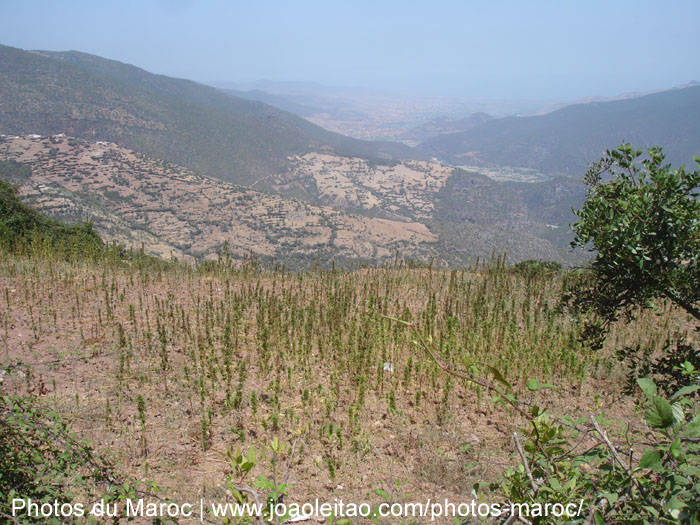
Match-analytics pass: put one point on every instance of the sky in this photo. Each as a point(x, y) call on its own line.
point(529, 49)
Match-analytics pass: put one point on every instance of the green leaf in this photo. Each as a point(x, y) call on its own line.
point(674, 507)
point(533, 385)
point(676, 448)
point(660, 413)
point(598, 518)
point(263, 483)
point(610, 496)
point(692, 430)
point(383, 493)
point(650, 459)
point(685, 391)
point(647, 386)
point(651, 510)
point(678, 413)
point(498, 376)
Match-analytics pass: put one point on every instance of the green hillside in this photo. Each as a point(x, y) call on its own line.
point(177, 120)
point(566, 140)
point(278, 101)
point(22, 226)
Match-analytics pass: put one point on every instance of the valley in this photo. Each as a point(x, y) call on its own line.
point(325, 209)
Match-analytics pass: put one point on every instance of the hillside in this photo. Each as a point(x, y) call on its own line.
point(157, 149)
point(470, 212)
point(379, 210)
point(169, 210)
point(164, 370)
point(21, 225)
point(181, 121)
point(566, 140)
point(277, 101)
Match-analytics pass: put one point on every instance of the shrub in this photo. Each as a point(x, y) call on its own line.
point(613, 485)
point(642, 219)
point(532, 268)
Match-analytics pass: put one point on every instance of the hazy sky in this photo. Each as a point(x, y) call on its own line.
point(496, 49)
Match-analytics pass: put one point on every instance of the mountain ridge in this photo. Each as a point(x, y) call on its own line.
point(565, 141)
point(254, 145)
point(179, 120)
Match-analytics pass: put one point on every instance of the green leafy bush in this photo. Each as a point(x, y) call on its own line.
point(642, 220)
point(41, 460)
point(265, 492)
point(572, 461)
point(532, 268)
point(664, 369)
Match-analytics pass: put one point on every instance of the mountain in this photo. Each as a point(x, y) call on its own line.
point(565, 141)
point(184, 168)
point(278, 101)
point(181, 121)
point(465, 209)
point(598, 98)
point(378, 115)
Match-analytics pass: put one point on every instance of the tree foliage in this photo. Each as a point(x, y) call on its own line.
point(40, 460)
point(659, 484)
point(21, 226)
point(532, 268)
point(642, 219)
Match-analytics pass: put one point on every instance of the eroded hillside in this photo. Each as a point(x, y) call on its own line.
point(472, 214)
point(330, 208)
point(405, 191)
point(168, 209)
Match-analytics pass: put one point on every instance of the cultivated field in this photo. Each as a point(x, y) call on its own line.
point(164, 367)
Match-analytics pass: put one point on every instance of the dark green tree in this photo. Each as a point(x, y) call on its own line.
point(641, 218)
point(21, 225)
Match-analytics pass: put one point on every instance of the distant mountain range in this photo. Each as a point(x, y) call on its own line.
point(556, 139)
point(371, 114)
point(181, 121)
point(565, 141)
point(599, 98)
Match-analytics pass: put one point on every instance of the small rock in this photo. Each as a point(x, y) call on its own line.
point(472, 439)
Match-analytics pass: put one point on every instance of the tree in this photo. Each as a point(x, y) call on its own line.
point(642, 219)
